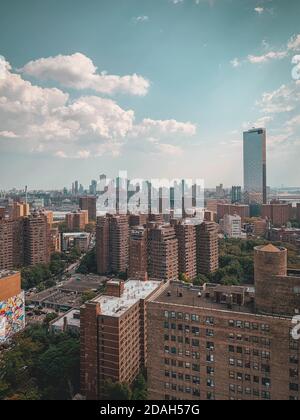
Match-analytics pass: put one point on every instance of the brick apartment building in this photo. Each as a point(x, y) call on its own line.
point(241, 210)
point(11, 243)
point(187, 249)
point(89, 203)
point(138, 253)
point(278, 213)
point(114, 335)
point(36, 239)
point(77, 221)
point(112, 242)
point(162, 252)
point(207, 248)
point(227, 343)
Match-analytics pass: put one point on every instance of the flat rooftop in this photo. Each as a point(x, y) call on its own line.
point(83, 282)
point(73, 319)
point(134, 290)
point(179, 294)
point(7, 273)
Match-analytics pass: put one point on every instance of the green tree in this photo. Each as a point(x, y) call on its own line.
point(116, 391)
point(139, 389)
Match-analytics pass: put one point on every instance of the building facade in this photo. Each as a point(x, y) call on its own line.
point(89, 203)
point(207, 248)
point(113, 333)
point(112, 244)
point(162, 252)
point(255, 166)
point(227, 342)
point(12, 305)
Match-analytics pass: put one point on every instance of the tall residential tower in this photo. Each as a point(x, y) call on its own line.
point(255, 166)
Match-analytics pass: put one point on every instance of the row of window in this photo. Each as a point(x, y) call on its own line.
point(255, 352)
point(211, 321)
point(233, 389)
point(184, 389)
point(180, 364)
point(182, 340)
point(266, 342)
point(249, 365)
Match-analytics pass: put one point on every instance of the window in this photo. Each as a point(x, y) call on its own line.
point(196, 380)
point(196, 330)
point(294, 360)
point(195, 318)
point(210, 383)
point(294, 373)
point(196, 368)
point(266, 382)
point(166, 314)
point(209, 358)
point(231, 388)
point(210, 370)
point(266, 395)
point(210, 346)
point(239, 376)
point(231, 362)
point(210, 333)
point(210, 320)
point(294, 387)
point(167, 374)
point(231, 349)
point(195, 343)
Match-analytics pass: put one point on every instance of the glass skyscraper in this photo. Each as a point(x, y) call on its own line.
point(255, 166)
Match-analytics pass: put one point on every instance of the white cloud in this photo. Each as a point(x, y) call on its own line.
point(141, 19)
point(169, 149)
point(262, 122)
point(294, 43)
point(8, 135)
point(284, 99)
point(235, 63)
point(272, 55)
point(154, 128)
point(47, 121)
point(78, 71)
point(259, 10)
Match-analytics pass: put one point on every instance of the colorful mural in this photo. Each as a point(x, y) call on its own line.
point(12, 316)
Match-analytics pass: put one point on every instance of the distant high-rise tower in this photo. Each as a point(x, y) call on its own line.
point(255, 166)
point(236, 194)
point(89, 203)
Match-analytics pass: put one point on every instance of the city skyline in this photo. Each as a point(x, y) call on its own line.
point(156, 89)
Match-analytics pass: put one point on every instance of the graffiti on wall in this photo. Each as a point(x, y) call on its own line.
point(12, 316)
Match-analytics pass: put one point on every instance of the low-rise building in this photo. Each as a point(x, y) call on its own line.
point(12, 305)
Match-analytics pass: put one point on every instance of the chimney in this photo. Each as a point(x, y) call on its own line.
point(115, 288)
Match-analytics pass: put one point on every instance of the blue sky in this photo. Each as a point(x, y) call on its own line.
point(182, 80)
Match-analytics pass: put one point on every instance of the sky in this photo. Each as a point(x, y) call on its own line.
point(160, 88)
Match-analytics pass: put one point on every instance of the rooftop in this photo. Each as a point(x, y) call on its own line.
point(7, 273)
point(134, 290)
point(193, 296)
point(270, 248)
point(73, 319)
